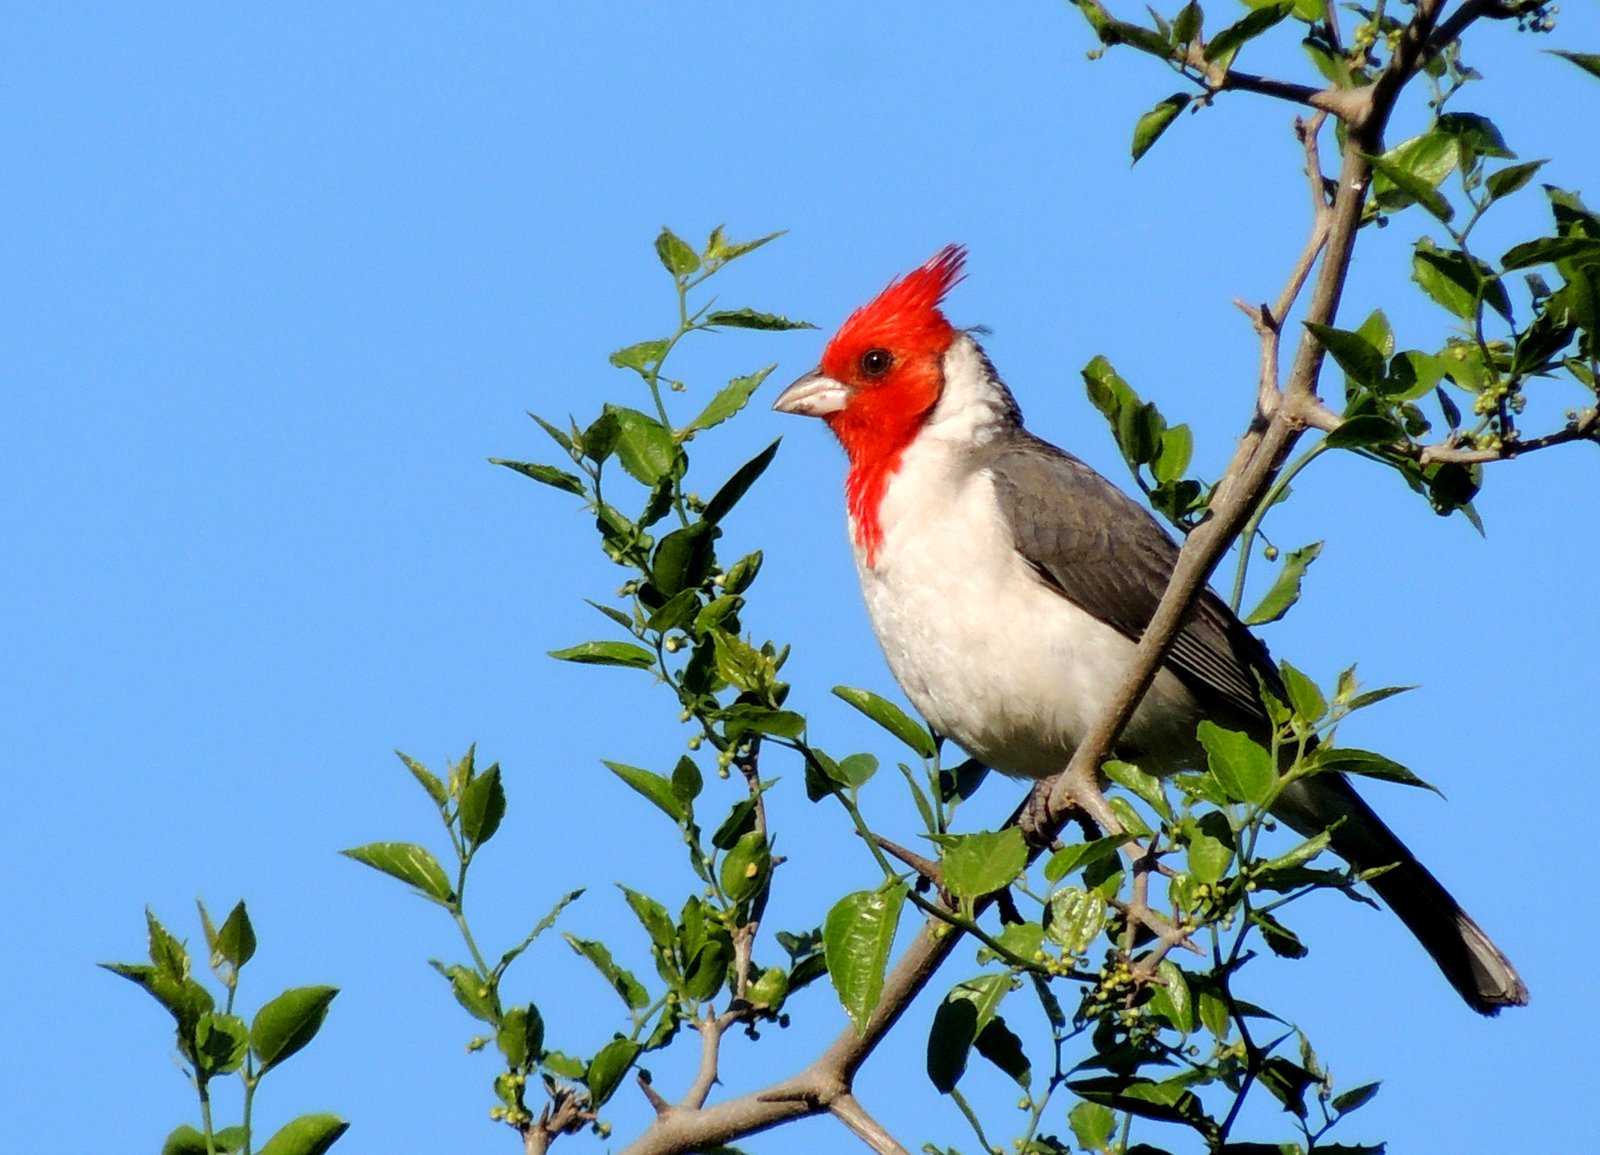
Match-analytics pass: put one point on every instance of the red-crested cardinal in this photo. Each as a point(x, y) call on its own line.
point(1008, 584)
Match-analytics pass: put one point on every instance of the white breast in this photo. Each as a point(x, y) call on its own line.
point(991, 656)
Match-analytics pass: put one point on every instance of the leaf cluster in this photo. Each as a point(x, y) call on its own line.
point(214, 1041)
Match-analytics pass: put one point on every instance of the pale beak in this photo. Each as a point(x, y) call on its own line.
point(814, 395)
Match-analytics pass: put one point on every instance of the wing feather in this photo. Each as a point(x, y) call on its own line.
point(1105, 553)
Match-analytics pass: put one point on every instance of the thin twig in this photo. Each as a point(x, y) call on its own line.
point(748, 760)
point(1585, 427)
point(711, 1029)
point(926, 867)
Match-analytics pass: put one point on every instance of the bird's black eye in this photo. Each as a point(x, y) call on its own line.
point(876, 362)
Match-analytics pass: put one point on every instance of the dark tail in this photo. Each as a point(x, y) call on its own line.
point(1474, 965)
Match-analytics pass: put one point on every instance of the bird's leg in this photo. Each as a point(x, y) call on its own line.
point(1078, 788)
point(1040, 823)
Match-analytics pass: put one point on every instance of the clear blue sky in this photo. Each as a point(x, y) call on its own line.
point(278, 279)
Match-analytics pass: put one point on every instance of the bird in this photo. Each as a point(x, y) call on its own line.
point(1008, 584)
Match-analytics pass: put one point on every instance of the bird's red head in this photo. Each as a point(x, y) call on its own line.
point(887, 356)
point(880, 376)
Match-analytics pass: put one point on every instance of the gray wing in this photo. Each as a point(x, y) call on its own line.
point(1106, 554)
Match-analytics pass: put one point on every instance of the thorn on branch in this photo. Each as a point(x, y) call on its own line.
point(662, 1107)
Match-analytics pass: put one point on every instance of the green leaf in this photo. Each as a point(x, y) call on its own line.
point(1411, 375)
point(236, 941)
point(687, 781)
point(483, 805)
point(1548, 250)
point(1188, 24)
point(964, 1014)
point(739, 576)
point(1177, 449)
point(559, 436)
point(409, 863)
point(289, 1022)
point(607, 654)
point(722, 250)
point(1213, 1012)
point(770, 989)
point(426, 778)
point(1300, 855)
point(1171, 1101)
point(891, 717)
point(641, 358)
point(1424, 160)
point(751, 319)
point(742, 665)
point(597, 441)
point(853, 771)
point(741, 820)
point(652, 916)
point(1366, 430)
point(1360, 1096)
point(1588, 61)
point(1076, 855)
point(545, 474)
point(307, 1135)
point(1412, 187)
point(1509, 180)
point(185, 1140)
point(1304, 695)
point(1210, 850)
point(1456, 281)
point(1113, 31)
point(653, 787)
point(521, 1036)
point(1107, 391)
point(732, 397)
point(737, 485)
point(1074, 918)
point(1355, 354)
point(1145, 786)
point(629, 989)
point(645, 447)
point(607, 1068)
point(684, 557)
point(1153, 123)
point(1225, 45)
point(1282, 941)
point(1239, 764)
point(746, 867)
point(1092, 1125)
point(1285, 589)
point(1170, 997)
point(184, 998)
point(220, 1045)
point(676, 256)
point(857, 938)
point(707, 969)
point(1366, 764)
point(1000, 1045)
point(973, 865)
point(676, 612)
point(167, 954)
point(1371, 697)
point(1476, 135)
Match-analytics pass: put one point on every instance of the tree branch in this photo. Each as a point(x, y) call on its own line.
point(1584, 427)
point(849, 1111)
